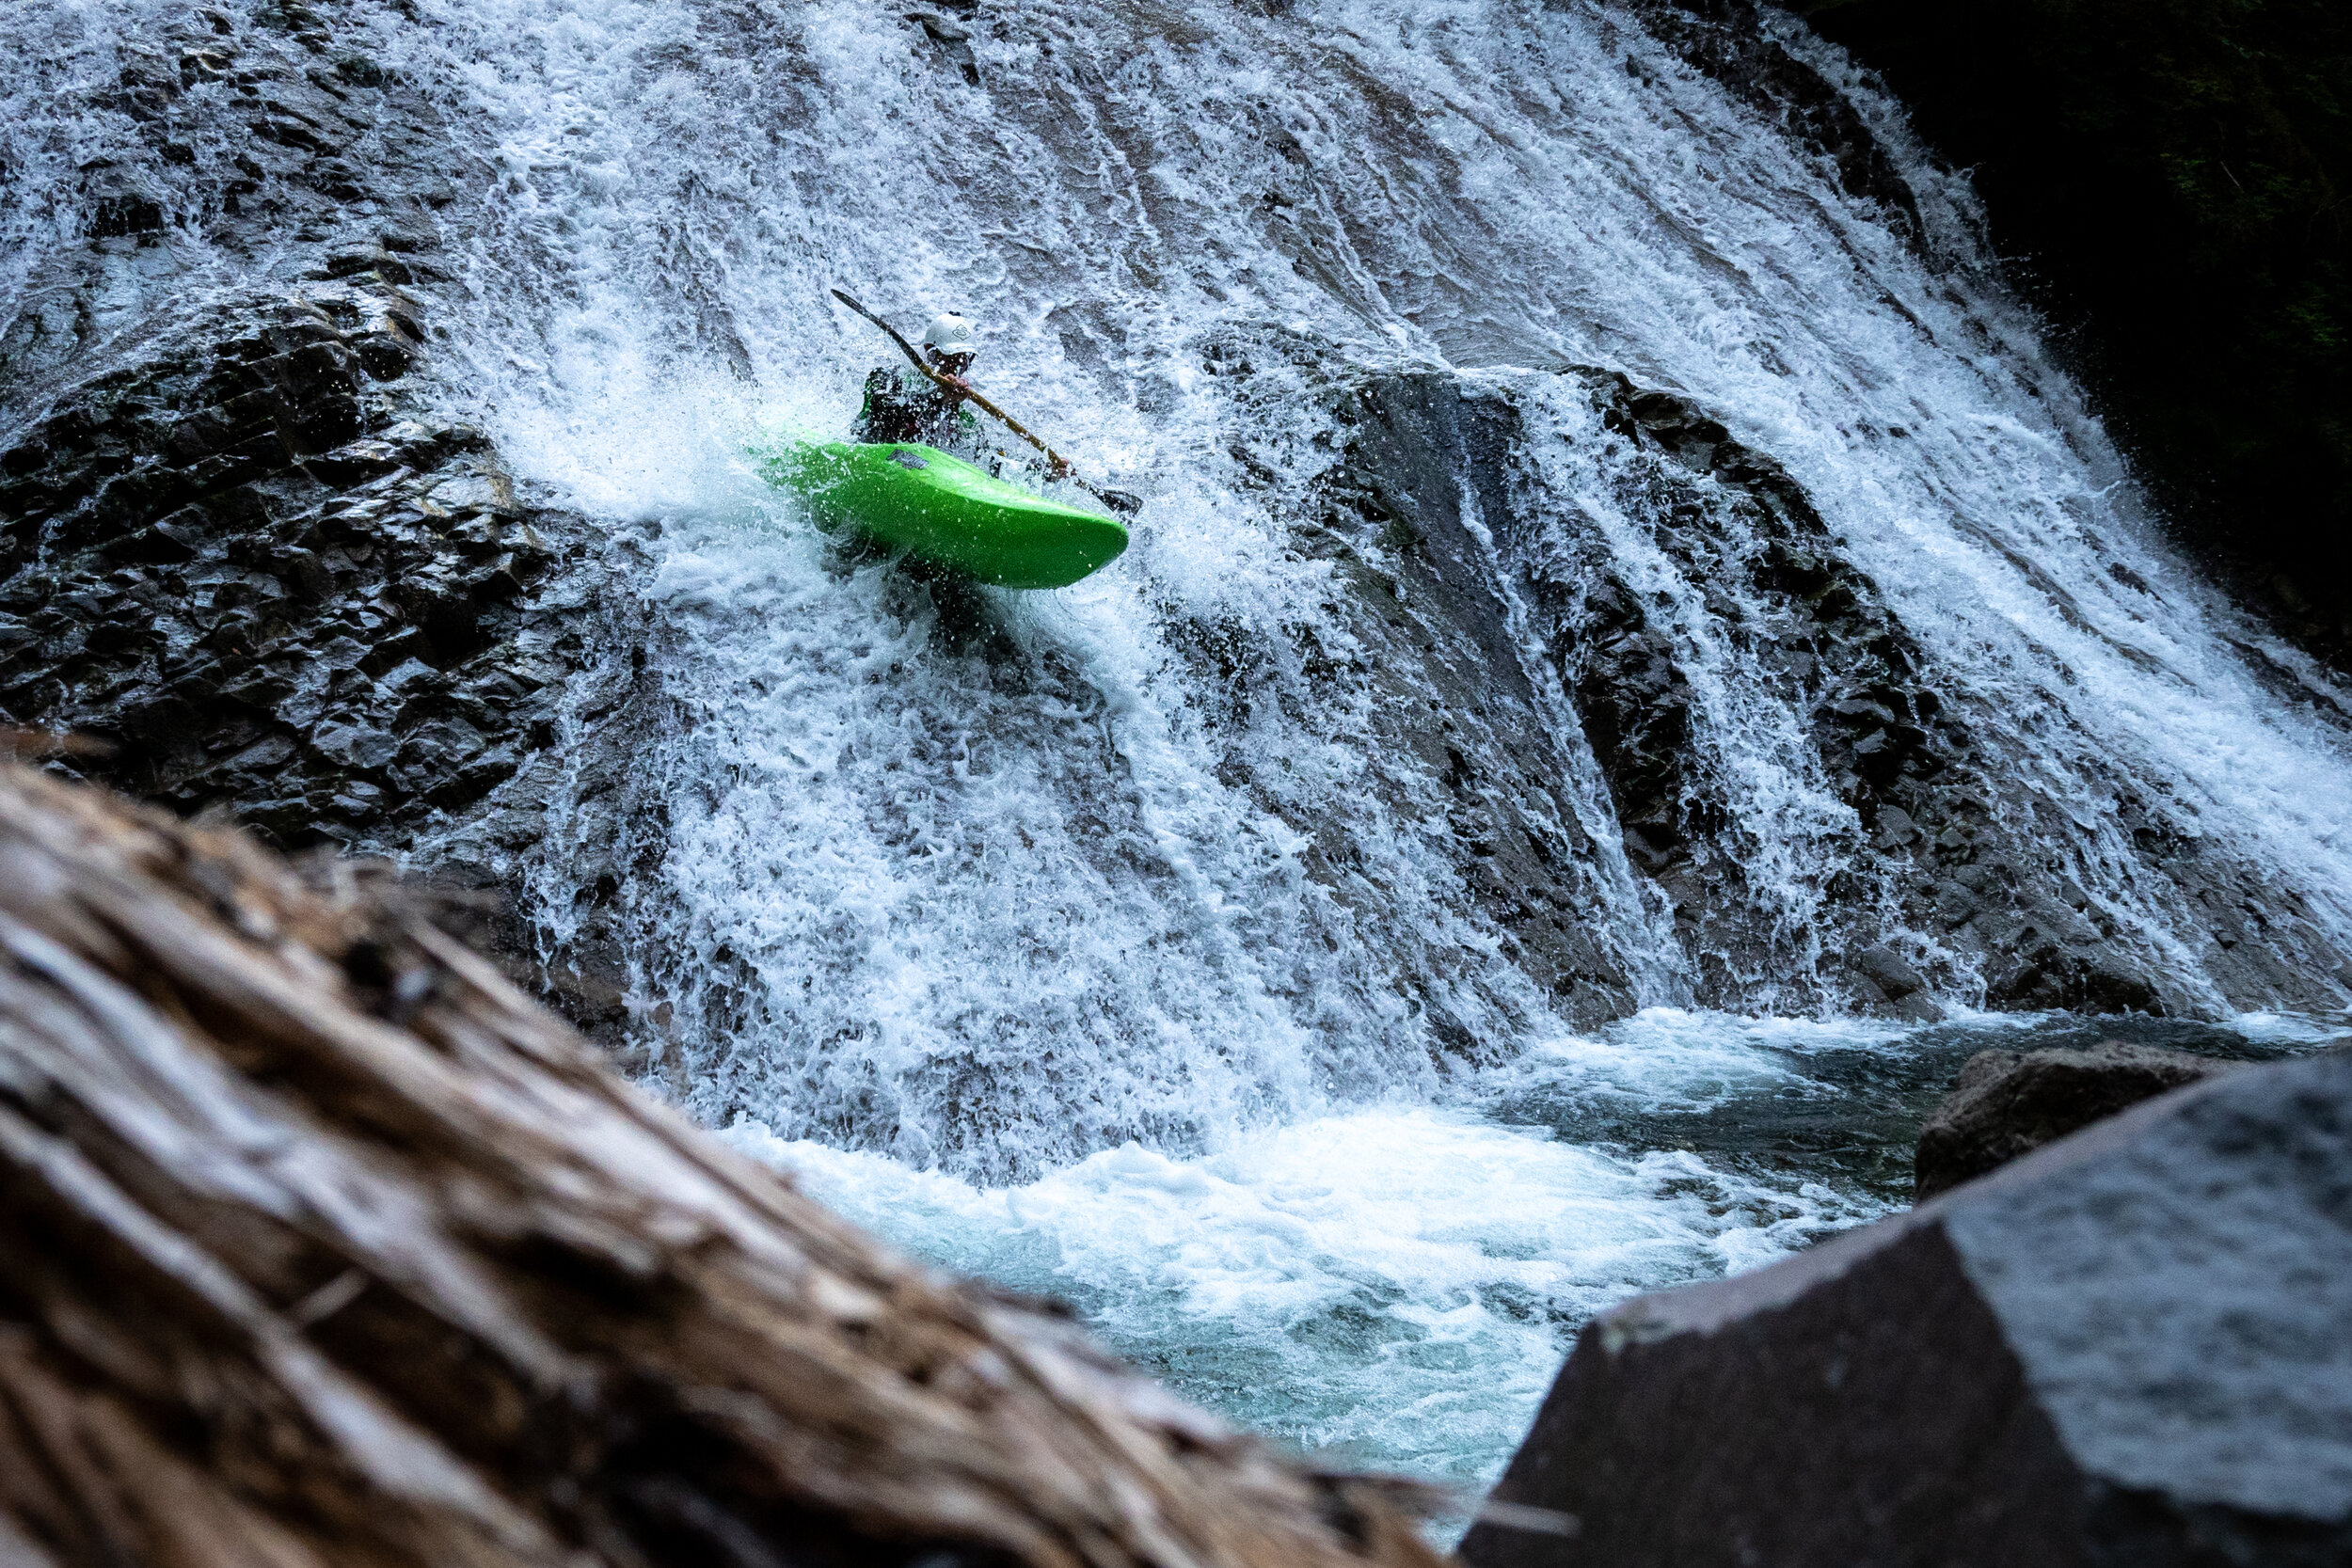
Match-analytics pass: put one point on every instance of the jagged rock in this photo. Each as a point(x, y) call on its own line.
point(1899, 986)
point(2126, 1349)
point(297, 619)
point(237, 544)
point(2008, 1103)
point(1942, 885)
point(1422, 680)
point(320, 1245)
point(1447, 688)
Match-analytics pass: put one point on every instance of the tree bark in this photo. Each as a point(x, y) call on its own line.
point(318, 1244)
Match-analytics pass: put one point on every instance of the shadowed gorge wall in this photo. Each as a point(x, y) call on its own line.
point(2172, 181)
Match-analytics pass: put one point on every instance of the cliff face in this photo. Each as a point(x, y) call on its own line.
point(243, 558)
point(2173, 183)
point(1946, 882)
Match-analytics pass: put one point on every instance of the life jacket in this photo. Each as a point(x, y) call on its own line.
point(901, 405)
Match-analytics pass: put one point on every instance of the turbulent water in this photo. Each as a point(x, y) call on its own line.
point(956, 904)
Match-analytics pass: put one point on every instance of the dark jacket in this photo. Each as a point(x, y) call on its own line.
point(901, 405)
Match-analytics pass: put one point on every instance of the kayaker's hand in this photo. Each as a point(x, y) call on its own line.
point(956, 381)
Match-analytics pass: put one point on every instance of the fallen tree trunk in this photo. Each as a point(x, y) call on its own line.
point(320, 1245)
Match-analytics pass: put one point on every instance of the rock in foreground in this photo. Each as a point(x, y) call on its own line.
point(318, 1243)
point(2125, 1349)
point(2008, 1103)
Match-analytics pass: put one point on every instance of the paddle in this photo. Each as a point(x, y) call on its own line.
point(1118, 500)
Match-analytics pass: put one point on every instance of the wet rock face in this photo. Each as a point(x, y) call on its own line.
point(1422, 680)
point(2008, 1103)
point(1896, 750)
point(236, 542)
point(239, 548)
point(1957, 887)
point(1447, 688)
point(1931, 872)
point(1823, 638)
point(264, 597)
point(1728, 39)
point(2125, 1349)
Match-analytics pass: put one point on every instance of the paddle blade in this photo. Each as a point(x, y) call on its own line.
point(1121, 501)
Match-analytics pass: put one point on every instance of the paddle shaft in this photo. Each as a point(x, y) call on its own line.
point(914, 356)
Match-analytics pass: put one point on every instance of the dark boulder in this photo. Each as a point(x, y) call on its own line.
point(2125, 1349)
point(2011, 1103)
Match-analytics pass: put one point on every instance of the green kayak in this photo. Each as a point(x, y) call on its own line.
point(943, 511)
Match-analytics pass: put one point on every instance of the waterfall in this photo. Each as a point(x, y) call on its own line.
point(1105, 940)
point(986, 891)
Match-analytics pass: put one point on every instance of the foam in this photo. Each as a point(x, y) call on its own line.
point(1393, 1287)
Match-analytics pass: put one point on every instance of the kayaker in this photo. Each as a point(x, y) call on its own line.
point(902, 405)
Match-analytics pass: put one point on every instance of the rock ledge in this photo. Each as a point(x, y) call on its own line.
point(2124, 1349)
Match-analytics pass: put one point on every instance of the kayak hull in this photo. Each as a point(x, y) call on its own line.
point(947, 513)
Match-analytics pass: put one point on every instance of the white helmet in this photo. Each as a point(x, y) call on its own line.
point(951, 333)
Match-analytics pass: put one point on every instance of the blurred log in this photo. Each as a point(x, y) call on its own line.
point(320, 1245)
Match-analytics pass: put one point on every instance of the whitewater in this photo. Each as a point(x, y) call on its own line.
point(959, 910)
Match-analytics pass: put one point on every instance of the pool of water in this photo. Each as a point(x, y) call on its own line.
point(1395, 1286)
